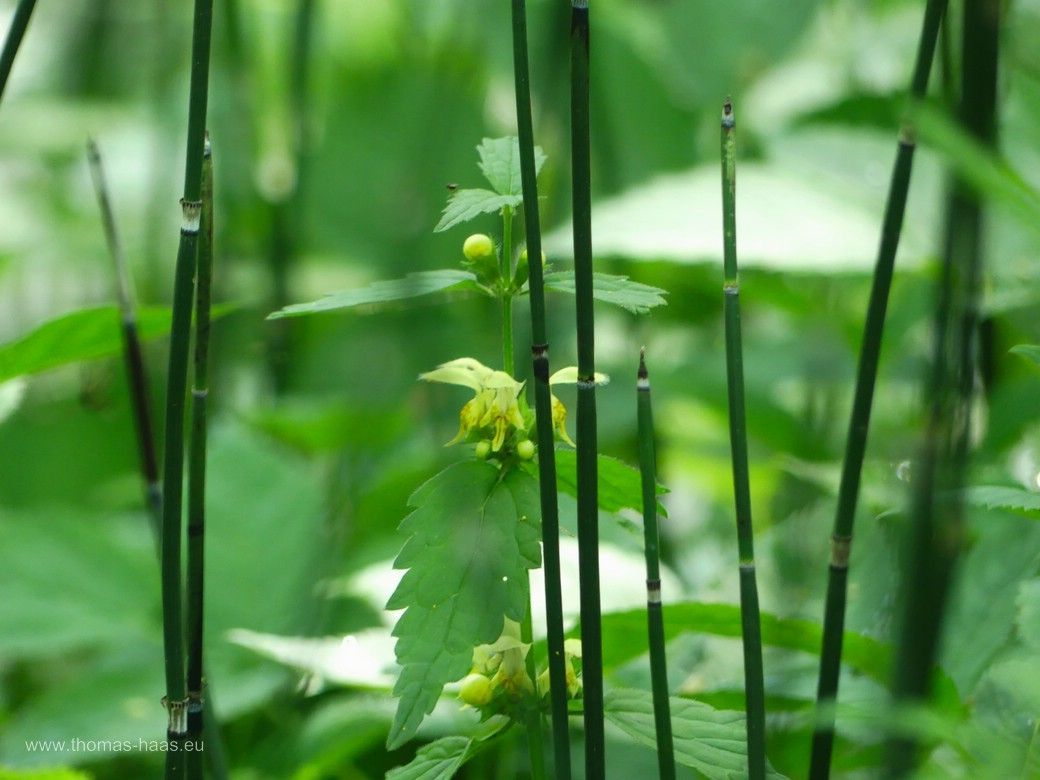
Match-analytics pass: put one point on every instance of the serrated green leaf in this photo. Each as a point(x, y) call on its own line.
point(464, 205)
point(471, 543)
point(500, 163)
point(86, 334)
point(1029, 351)
point(384, 291)
point(441, 759)
point(618, 290)
point(624, 642)
point(1001, 497)
point(714, 742)
point(620, 485)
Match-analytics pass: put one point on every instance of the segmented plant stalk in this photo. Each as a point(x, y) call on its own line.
point(588, 504)
point(505, 270)
point(13, 41)
point(543, 401)
point(859, 424)
point(197, 463)
point(133, 357)
point(177, 380)
point(749, 612)
point(937, 508)
point(651, 545)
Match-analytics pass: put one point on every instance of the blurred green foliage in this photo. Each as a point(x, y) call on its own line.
point(335, 179)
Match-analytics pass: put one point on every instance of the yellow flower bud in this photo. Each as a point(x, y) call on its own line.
point(483, 449)
point(475, 690)
point(525, 449)
point(477, 247)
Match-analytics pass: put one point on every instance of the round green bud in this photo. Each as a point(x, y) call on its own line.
point(477, 247)
point(483, 449)
point(525, 449)
point(523, 257)
point(475, 690)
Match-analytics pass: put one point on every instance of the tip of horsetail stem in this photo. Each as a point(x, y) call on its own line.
point(728, 120)
point(642, 375)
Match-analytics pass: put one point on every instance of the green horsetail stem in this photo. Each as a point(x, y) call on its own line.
point(752, 631)
point(197, 469)
point(176, 387)
point(543, 402)
point(937, 508)
point(863, 398)
point(13, 41)
point(133, 357)
point(651, 545)
point(588, 504)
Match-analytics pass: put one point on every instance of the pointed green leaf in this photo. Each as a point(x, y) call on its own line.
point(618, 290)
point(500, 163)
point(1001, 497)
point(86, 334)
point(1029, 351)
point(464, 205)
point(441, 759)
point(472, 539)
point(711, 741)
point(384, 291)
point(620, 485)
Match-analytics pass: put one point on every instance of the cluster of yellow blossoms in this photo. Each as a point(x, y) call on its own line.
point(498, 413)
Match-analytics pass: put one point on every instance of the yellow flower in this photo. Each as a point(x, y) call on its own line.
point(571, 650)
point(504, 660)
point(567, 376)
point(494, 409)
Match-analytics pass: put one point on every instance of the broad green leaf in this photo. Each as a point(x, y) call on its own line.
point(618, 290)
point(1001, 497)
point(86, 334)
point(472, 539)
point(384, 291)
point(500, 163)
point(441, 759)
point(714, 742)
point(620, 485)
point(1028, 351)
point(1028, 620)
point(625, 634)
point(464, 205)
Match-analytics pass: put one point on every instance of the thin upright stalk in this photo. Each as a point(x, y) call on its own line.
point(937, 509)
point(505, 270)
point(863, 398)
point(13, 41)
point(752, 631)
point(532, 711)
point(588, 504)
point(177, 380)
point(543, 401)
point(197, 466)
point(132, 354)
point(651, 546)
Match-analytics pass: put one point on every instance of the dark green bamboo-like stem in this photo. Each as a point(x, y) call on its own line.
point(651, 545)
point(859, 424)
point(132, 354)
point(13, 41)
point(505, 270)
point(588, 504)
point(177, 381)
point(197, 468)
point(543, 402)
point(752, 631)
point(937, 509)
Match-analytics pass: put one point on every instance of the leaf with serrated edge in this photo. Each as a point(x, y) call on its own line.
point(1001, 497)
point(384, 291)
point(620, 485)
point(500, 163)
point(471, 543)
point(618, 290)
point(464, 205)
point(711, 741)
point(442, 758)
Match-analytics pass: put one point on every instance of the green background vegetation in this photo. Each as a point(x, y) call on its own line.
point(320, 431)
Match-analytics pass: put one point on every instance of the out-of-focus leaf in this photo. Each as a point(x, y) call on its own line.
point(1028, 351)
point(1028, 621)
point(51, 773)
point(1002, 497)
point(472, 539)
point(464, 205)
point(441, 759)
point(81, 335)
point(619, 487)
point(618, 290)
point(500, 163)
point(714, 742)
point(384, 291)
